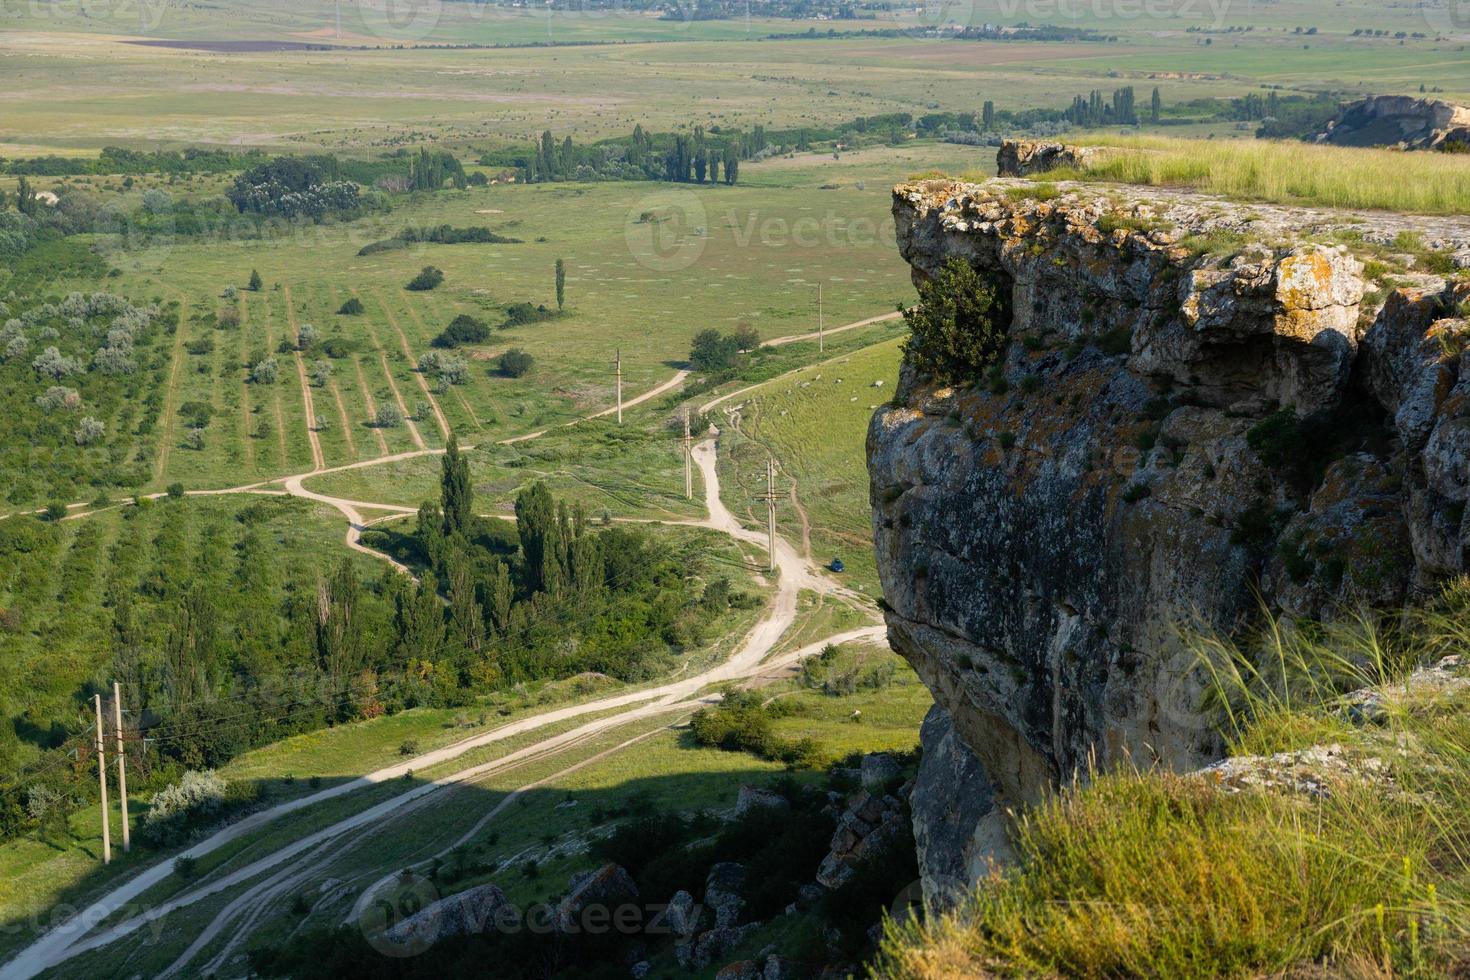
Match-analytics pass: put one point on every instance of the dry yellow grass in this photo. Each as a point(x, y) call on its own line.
point(1287, 173)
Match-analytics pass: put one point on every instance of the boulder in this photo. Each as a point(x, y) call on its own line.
point(722, 893)
point(467, 913)
point(1021, 158)
point(757, 797)
point(878, 769)
point(607, 888)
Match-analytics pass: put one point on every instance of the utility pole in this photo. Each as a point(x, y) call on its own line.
point(618, 369)
point(102, 781)
point(688, 460)
point(770, 499)
point(122, 773)
point(821, 334)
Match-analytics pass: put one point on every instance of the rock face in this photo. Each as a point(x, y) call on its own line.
point(1400, 121)
point(1019, 158)
point(866, 827)
point(1043, 532)
point(467, 913)
point(606, 888)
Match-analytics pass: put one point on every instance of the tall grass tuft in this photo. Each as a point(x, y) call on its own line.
point(1286, 172)
point(1149, 873)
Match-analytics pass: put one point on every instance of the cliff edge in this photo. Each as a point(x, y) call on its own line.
point(1202, 406)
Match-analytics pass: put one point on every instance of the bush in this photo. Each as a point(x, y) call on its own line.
point(713, 352)
point(521, 314)
point(353, 307)
point(428, 278)
point(181, 807)
point(389, 416)
point(515, 362)
point(957, 326)
point(463, 329)
point(265, 372)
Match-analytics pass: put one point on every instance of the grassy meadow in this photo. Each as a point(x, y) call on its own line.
point(815, 424)
point(1285, 173)
point(754, 253)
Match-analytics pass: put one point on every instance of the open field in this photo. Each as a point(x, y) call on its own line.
point(760, 250)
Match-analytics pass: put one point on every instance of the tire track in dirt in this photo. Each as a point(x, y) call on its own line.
point(245, 435)
point(318, 461)
point(166, 423)
point(408, 352)
point(270, 345)
point(413, 430)
point(369, 404)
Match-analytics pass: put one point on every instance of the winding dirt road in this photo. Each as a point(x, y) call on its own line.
point(795, 574)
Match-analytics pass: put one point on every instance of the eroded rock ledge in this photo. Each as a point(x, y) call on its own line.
point(1042, 533)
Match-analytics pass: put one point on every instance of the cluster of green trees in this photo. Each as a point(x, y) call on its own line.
point(431, 168)
point(227, 633)
point(698, 157)
point(713, 352)
point(118, 160)
point(292, 187)
point(1094, 110)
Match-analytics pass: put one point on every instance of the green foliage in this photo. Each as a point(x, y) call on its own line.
point(713, 352)
point(523, 314)
point(353, 307)
point(463, 329)
point(958, 326)
point(515, 363)
point(429, 277)
point(742, 723)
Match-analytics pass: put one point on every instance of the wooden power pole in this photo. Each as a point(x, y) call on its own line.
point(122, 773)
point(102, 781)
point(618, 370)
point(821, 333)
point(688, 460)
point(770, 499)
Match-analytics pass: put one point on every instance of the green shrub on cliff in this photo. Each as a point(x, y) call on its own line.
point(958, 325)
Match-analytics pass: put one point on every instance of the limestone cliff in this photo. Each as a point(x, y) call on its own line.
point(1401, 121)
point(1201, 403)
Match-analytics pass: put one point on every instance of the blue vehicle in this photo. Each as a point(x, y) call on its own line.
point(837, 565)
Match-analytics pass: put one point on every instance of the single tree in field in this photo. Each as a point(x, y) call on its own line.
point(732, 164)
point(1155, 106)
point(987, 116)
point(746, 337)
point(561, 283)
point(255, 281)
point(712, 351)
point(457, 494)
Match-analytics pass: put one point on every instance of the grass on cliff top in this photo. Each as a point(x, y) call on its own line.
point(1286, 173)
point(1153, 874)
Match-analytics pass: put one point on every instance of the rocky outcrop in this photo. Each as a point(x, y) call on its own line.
point(867, 826)
point(1401, 121)
point(605, 889)
point(1203, 405)
point(468, 913)
point(1021, 158)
